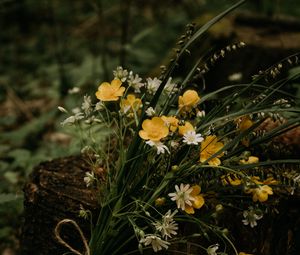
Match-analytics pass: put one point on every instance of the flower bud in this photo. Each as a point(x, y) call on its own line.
point(175, 168)
point(160, 201)
point(219, 208)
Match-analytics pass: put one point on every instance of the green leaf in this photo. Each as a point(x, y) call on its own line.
point(12, 177)
point(5, 198)
point(17, 137)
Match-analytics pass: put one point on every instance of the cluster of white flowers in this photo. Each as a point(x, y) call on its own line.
point(134, 81)
point(182, 196)
point(82, 113)
point(120, 73)
point(166, 228)
point(152, 85)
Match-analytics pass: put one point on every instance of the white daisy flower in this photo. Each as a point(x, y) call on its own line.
point(120, 73)
point(160, 147)
point(156, 242)
point(152, 85)
point(251, 218)
point(89, 178)
point(190, 137)
point(150, 112)
point(167, 226)
point(135, 82)
point(182, 196)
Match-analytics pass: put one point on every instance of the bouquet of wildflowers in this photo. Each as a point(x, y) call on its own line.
point(176, 157)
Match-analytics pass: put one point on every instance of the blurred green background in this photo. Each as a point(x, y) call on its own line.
point(50, 46)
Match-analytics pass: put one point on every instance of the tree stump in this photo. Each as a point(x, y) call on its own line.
point(54, 192)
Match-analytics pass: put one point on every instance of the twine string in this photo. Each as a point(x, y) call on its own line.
point(58, 237)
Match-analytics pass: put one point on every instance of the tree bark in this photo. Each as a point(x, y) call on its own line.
point(54, 192)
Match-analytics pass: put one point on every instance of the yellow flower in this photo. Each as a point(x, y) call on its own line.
point(187, 127)
point(171, 122)
point(243, 253)
point(261, 193)
point(256, 180)
point(209, 147)
point(110, 91)
point(198, 200)
point(154, 129)
point(251, 160)
point(231, 179)
point(243, 124)
point(270, 180)
point(188, 100)
point(131, 104)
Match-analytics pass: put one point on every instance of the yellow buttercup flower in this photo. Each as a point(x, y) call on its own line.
point(171, 122)
point(256, 180)
point(231, 179)
point(187, 127)
point(243, 124)
point(198, 200)
point(131, 104)
point(270, 180)
point(261, 193)
point(110, 91)
point(188, 100)
point(154, 129)
point(251, 160)
point(210, 146)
